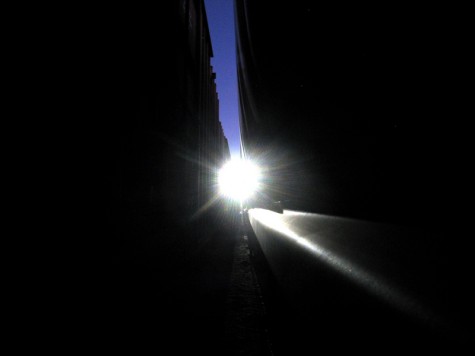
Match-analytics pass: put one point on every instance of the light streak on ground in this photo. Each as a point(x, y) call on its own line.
point(309, 238)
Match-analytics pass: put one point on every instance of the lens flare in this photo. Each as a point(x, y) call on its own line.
point(238, 179)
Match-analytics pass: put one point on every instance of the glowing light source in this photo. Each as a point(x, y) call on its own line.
point(239, 179)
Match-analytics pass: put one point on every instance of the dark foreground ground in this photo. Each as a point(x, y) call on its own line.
point(171, 290)
point(168, 290)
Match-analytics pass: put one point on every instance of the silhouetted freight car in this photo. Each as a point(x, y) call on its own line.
point(157, 138)
point(151, 147)
point(355, 115)
point(353, 109)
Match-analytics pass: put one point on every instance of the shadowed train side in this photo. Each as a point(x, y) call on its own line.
point(157, 246)
point(354, 111)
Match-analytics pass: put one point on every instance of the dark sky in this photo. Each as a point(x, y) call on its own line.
point(221, 23)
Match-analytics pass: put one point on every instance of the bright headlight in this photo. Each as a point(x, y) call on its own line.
point(238, 179)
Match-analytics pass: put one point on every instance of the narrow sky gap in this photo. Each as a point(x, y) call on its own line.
point(220, 15)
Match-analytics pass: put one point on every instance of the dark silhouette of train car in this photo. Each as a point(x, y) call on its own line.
point(357, 111)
